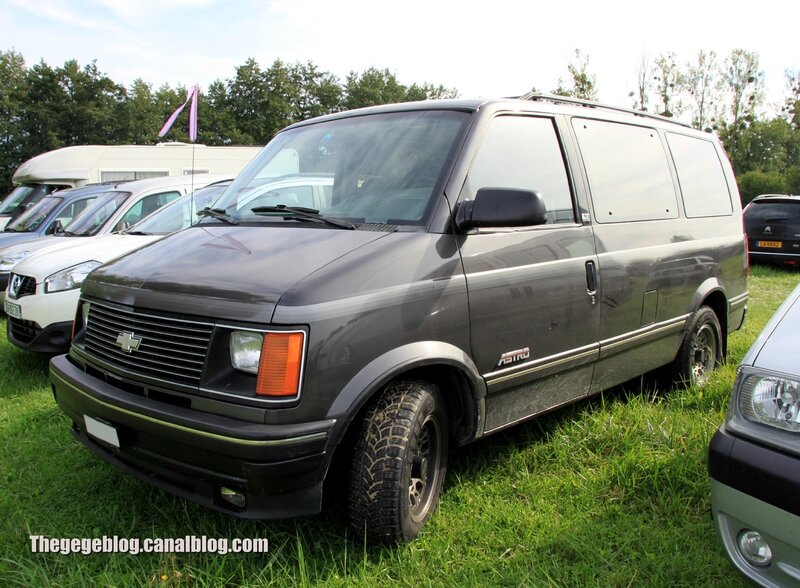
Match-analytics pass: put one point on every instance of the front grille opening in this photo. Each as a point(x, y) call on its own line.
point(148, 343)
point(22, 330)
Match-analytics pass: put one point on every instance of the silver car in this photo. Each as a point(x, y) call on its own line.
point(754, 458)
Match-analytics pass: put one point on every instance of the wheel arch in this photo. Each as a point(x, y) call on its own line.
point(712, 293)
point(442, 364)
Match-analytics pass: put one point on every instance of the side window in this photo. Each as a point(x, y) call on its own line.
point(628, 171)
point(73, 209)
point(524, 152)
point(700, 175)
point(147, 206)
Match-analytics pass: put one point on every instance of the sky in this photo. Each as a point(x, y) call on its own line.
point(481, 49)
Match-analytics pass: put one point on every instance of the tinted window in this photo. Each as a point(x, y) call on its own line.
point(700, 175)
point(773, 212)
point(628, 172)
point(524, 152)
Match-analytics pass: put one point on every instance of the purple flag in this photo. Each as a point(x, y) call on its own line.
point(191, 96)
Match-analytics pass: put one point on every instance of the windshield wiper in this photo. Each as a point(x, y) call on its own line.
point(136, 233)
point(300, 212)
point(218, 213)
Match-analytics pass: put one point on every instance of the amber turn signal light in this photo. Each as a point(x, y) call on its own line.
point(280, 364)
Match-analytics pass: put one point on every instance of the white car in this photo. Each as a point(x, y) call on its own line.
point(44, 287)
point(122, 206)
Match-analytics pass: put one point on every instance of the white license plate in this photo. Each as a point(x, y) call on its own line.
point(12, 309)
point(101, 431)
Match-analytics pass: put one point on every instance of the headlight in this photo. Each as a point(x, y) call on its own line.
point(276, 358)
point(771, 400)
point(9, 260)
point(246, 350)
point(69, 278)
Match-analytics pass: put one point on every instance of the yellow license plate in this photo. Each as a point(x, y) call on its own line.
point(770, 244)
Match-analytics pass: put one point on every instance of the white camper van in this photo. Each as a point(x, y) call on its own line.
point(72, 167)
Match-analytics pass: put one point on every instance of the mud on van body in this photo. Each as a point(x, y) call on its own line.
point(478, 263)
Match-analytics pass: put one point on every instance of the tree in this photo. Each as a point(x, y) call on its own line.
point(703, 84)
point(143, 119)
point(744, 83)
point(93, 109)
point(13, 98)
point(581, 84)
point(372, 87)
point(668, 82)
point(643, 76)
point(248, 101)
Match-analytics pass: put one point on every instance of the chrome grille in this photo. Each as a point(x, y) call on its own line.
point(25, 286)
point(168, 348)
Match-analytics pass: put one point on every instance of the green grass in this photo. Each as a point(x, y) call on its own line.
point(612, 491)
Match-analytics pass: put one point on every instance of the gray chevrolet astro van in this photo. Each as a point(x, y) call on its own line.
point(470, 265)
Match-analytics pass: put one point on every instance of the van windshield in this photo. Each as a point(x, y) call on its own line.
point(96, 215)
point(34, 216)
point(380, 168)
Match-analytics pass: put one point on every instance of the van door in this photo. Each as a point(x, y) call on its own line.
point(646, 251)
point(533, 307)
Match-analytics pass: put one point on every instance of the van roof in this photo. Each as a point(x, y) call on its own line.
point(532, 101)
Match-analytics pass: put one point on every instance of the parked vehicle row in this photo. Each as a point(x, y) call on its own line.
point(72, 167)
point(455, 267)
point(46, 287)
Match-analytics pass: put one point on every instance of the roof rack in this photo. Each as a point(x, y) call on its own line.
point(541, 97)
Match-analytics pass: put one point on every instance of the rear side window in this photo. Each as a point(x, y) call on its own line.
point(628, 172)
point(701, 177)
point(772, 212)
point(524, 152)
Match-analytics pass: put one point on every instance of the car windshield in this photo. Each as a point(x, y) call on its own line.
point(773, 212)
point(96, 214)
point(32, 218)
point(180, 214)
point(14, 198)
point(379, 168)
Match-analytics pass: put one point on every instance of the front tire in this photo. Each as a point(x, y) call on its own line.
point(701, 350)
point(399, 463)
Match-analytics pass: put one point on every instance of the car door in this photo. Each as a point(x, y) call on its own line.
point(533, 308)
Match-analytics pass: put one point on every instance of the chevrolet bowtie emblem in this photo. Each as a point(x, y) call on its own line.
point(128, 341)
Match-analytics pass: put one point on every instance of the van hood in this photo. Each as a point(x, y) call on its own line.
point(230, 273)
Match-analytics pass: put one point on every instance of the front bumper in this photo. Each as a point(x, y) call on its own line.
point(278, 469)
point(29, 335)
point(755, 487)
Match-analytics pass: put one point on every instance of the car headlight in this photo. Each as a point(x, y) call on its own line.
point(9, 260)
point(69, 278)
point(275, 358)
point(771, 400)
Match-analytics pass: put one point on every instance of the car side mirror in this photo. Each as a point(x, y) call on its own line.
point(55, 228)
point(502, 207)
point(122, 226)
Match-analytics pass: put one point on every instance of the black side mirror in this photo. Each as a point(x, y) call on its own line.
point(55, 228)
point(502, 207)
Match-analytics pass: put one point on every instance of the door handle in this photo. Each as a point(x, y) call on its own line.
point(591, 281)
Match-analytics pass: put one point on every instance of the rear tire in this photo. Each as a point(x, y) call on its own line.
point(701, 350)
point(399, 463)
